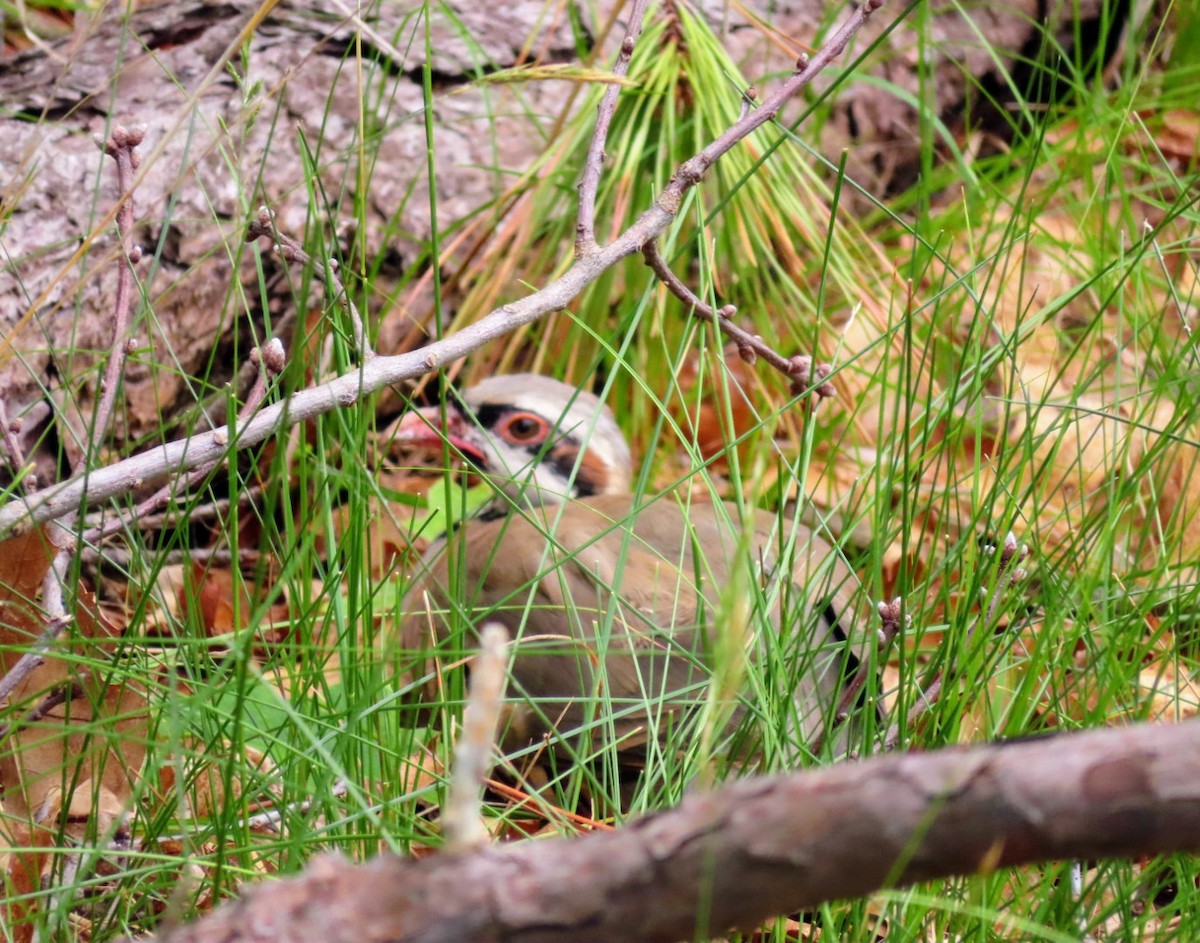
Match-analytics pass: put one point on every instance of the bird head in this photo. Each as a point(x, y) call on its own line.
point(535, 439)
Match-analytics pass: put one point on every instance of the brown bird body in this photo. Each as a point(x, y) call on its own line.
point(619, 609)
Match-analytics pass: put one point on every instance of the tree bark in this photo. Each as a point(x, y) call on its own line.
point(736, 856)
point(218, 146)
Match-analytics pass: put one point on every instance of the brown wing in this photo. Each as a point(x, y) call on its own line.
point(618, 621)
point(789, 601)
point(601, 620)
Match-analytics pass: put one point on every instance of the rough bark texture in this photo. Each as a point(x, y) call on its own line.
point(734, 857)
point(214, 150)
point(217, 147)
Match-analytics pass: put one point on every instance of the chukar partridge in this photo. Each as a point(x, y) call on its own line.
point(618, 607)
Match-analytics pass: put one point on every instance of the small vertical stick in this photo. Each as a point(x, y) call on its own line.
point(473, 753)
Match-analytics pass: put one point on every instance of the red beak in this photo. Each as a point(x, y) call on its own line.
point(424, 428)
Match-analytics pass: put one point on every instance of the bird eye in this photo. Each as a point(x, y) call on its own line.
point(524, 428)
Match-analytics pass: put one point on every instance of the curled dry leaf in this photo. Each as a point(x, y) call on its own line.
point(713, 421)
point(207, 786)
point(1177, 134)
point(1080, 416)
point(223, 604)
point(71, 720)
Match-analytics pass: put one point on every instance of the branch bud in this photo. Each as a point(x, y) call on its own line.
point(800, 370)
point(260, 225)
point(890, 614)
point(274, 356)
point(824, 388)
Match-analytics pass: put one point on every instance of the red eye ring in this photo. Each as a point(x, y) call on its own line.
point(524, 428)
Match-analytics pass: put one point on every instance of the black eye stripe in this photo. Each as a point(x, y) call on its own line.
point(490, 415)
point(560, 454)
point(487, 415)
point(564, 459)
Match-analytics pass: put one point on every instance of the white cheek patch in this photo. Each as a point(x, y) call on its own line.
point(585, 456)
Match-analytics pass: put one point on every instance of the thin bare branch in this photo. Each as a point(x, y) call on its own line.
point(215, 556)
point(122, 148)
point(263, 227)
point(32, 659)
point(692, 171)
point(593, 166)
point(68, 690)
point(269, 362)
point(9, 429)
point(57, 616)
point(804, 375)
point(799, 369)
point(217, 508)
point(58, 620)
